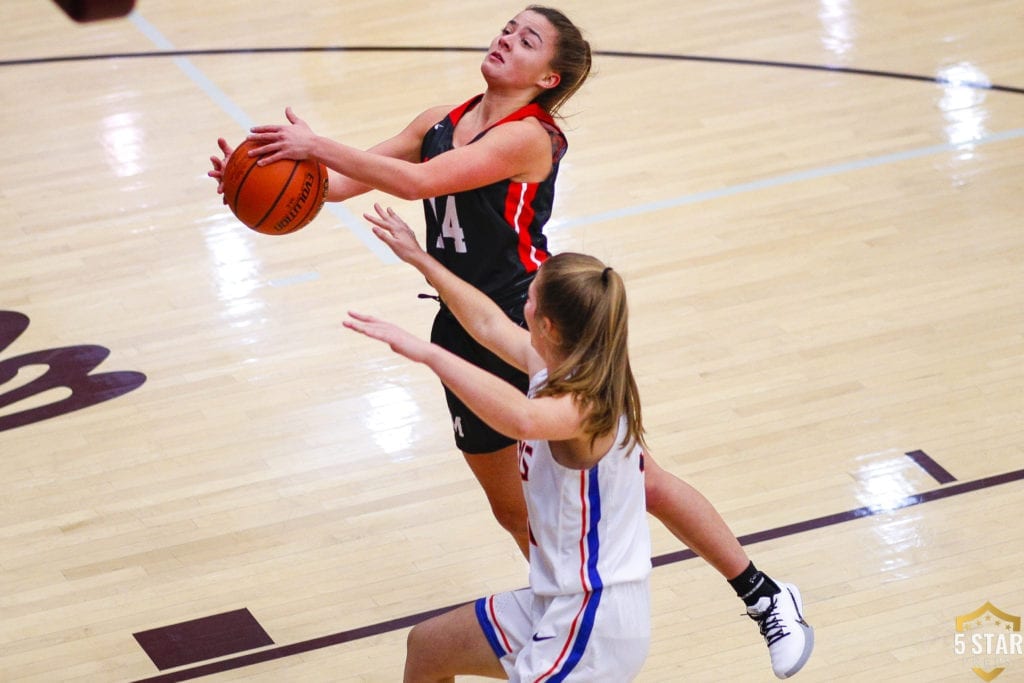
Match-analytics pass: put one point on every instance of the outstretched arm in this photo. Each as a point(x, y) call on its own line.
point(481, 317)
point(405, 146)
point(519, 149)
point(498, 403)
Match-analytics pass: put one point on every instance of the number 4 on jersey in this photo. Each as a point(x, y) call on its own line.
point(450, 227)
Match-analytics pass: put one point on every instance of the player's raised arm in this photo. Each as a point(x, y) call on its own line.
point(481, 317)
point(519, 148)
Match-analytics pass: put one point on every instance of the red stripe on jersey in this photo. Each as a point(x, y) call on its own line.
point(457, 113)
point(587, 592)
point(497, 624)
point(519, 214)
point(568, 641)
point(584, 526)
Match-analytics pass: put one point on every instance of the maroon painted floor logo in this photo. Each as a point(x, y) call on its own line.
point(67, 367)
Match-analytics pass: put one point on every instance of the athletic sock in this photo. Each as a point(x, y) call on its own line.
point(751, 585)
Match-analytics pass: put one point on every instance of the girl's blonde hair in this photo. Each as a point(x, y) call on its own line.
point(586, 303)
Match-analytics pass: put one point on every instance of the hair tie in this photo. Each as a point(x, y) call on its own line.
point(604, 274)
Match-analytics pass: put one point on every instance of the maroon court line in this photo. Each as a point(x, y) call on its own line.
point(298, 648)
point(925, 461)
point(748, 539)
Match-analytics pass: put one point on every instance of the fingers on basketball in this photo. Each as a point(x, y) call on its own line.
point(276, 199)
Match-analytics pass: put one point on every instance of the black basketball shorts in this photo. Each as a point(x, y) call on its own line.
point(473, 435)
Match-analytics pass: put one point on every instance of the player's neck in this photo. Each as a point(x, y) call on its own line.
point(496, 105)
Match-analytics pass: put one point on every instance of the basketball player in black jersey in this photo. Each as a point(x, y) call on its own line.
point(486, 171)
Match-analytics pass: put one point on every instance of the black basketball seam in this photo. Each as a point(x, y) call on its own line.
point(238, 190)
point(280, 194)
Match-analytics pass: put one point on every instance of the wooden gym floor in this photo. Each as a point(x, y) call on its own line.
point(826, 269)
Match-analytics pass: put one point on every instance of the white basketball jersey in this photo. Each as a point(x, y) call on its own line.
point(588, 528)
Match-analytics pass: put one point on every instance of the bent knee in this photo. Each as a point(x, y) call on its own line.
point(421, 652)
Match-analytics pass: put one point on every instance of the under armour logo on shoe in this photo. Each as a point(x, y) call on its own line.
point(66, 369)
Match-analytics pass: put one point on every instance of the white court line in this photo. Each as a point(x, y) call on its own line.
point(346, 217)
point(350, 221)
point(294, 279)
point(788, 178)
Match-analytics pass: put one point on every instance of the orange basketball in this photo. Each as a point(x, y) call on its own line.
point(275, 199)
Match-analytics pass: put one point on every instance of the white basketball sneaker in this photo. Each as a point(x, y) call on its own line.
point(790, 639)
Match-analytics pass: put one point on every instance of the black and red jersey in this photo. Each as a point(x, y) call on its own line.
point(492, 236)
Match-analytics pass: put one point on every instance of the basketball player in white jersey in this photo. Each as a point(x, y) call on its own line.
point(586, 615)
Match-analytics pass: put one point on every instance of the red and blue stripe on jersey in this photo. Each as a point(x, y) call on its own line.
point(575, 640)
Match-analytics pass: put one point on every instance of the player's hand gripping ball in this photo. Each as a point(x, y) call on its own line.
point(275, 199)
